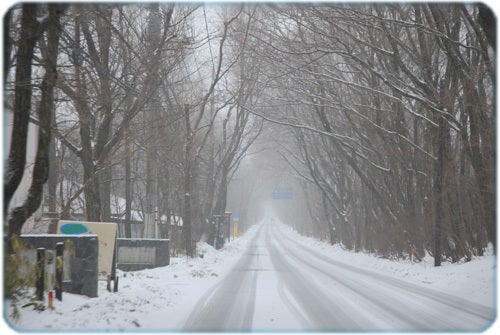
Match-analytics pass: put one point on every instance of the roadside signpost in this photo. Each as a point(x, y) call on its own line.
point(236, 219)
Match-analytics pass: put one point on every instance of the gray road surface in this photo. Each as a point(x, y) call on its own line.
point(280, 284)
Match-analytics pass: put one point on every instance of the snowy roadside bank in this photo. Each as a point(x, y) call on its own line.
point(475, 280)
point(153, 299)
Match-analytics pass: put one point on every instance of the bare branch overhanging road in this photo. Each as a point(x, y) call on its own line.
point(280, 284)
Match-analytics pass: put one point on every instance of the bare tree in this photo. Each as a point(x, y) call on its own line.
point(31, 31)
point(45, 113)
point(99, 89)
point(366, 78)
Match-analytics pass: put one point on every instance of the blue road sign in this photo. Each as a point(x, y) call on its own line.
point(282, 193)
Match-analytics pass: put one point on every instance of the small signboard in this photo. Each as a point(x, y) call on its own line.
point(106, 231)
point(236, 216)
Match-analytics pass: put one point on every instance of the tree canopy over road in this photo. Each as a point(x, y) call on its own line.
point(384, 113)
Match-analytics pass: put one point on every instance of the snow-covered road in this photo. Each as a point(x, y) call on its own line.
point(273, 279)
point(311, 291)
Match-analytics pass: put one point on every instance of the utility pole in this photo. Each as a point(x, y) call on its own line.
point(228, 216)
point(152, 112)
point(439, 181)
point(188, 176)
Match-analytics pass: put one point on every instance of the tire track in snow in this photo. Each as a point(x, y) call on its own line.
point(467, 306)
point(320, 313)
point(387, 307)
point(230, 304)
point(418, 318)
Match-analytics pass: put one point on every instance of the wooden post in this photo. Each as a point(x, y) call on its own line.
point(51, 299)
point(59, 269)
point(115, 286)
point(40, 273)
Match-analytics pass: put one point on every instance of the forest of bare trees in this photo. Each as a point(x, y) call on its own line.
point(392, 112)
point(387, 113)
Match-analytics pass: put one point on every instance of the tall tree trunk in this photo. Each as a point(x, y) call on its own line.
point(7, 44)
point(483, 170)
point(29, 35)
point(220, 207)
point(85, 118)
point(128, 190)
point(488, 23)
point(328, 217)
point(90, 179)
point(105, 177)
point(52, 186)
point(105, 101)
point(46, 111)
